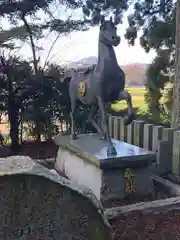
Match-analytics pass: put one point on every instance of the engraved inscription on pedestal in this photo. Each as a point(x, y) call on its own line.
point(129, 183)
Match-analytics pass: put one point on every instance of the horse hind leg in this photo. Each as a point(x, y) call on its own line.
point(111, 149)
point(73, 123)
point(124, 95)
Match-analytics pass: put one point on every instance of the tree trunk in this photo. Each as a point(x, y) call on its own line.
point(28, 28)
point(37, 131)
point(175, 121)
point(154, 107)
point(35, 63)
point(14, 130)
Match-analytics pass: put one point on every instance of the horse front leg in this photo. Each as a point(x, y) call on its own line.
point(124, 95)
point(91, 116)
point(111, 149)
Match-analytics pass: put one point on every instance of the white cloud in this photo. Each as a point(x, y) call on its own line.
point(84, 44)
point(80, 45)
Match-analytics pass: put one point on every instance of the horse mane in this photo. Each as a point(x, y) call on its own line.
point(90, 69)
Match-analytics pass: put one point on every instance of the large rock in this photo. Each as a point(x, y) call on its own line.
point(37, 203)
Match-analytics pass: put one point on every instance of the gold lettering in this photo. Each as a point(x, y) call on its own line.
point(129, 181)
point(81, 89)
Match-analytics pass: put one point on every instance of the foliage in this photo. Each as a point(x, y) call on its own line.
point(16, 88)
point(15, 74)
point(51, 102)
point(5, 140)
point(138, 99)
point(91, 12)
point(30, 100)
point(7, 36)
point(167, 98)
point(175, 121)
point(156, 21)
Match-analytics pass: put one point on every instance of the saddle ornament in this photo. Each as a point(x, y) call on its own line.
point(81, 89)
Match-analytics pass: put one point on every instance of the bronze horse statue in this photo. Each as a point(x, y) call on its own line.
point(103, 84)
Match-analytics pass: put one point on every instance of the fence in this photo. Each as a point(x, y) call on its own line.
point(164, 141)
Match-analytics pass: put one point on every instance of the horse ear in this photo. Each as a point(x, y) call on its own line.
point(102, 20)
point(111, 21)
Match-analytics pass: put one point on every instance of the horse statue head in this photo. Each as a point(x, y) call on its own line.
point(108, 33)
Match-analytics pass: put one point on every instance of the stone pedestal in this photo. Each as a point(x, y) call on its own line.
point(85, 161)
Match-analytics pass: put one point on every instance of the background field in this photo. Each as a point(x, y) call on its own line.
point(137, 94)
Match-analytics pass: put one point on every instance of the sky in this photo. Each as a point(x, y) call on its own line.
point(78, 45)
point(84, 44)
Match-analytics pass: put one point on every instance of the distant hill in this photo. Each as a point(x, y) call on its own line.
point(135, 73)
point(85, 62)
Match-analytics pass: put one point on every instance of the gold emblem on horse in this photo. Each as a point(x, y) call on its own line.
point(81, 89)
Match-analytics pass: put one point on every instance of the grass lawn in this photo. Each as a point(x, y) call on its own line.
point(137, 94)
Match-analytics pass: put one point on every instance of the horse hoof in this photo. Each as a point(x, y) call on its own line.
point(103, 137)
point(73, 137)
point(111, 151)
point(129, 119)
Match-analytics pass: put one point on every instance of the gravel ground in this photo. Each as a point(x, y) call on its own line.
point(162, 226)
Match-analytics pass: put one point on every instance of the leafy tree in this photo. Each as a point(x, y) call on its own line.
point(156, 80)
point(24, 98)
point(16, 87)
point(175, 122)
point(7, 36)
point(50, 104)
point(156, 22)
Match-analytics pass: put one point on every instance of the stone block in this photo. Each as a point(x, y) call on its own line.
point(138, 133)
point(168, 134)
point(110, 125)
point(116, 128)
point(157, 136)
point(164, 157)
point(147, 139)
point(130, 132)
point(123, 131)
point(142, 183)
point(37, 203)
point(112, 122)
point(176, 154)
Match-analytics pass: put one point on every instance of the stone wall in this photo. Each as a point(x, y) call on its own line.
point(164, 141)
